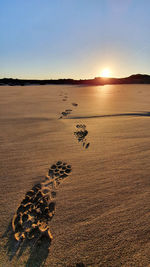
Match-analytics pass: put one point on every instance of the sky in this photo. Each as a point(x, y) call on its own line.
point(51, 39)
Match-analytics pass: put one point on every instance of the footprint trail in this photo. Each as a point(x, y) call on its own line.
point(81, 132)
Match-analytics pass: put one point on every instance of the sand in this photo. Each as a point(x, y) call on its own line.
point(102, 215)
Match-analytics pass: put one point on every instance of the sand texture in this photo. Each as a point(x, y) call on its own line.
point(87, 149)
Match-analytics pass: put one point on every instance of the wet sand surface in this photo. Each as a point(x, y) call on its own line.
point(102, 213)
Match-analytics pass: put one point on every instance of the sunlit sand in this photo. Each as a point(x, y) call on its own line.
point(101, 135)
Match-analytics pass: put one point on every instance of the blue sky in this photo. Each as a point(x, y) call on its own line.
point(74, 38)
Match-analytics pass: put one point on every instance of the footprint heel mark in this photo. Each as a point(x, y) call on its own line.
point(81, 134)
point(69, 111)
point(31, 220)
point(87, 145)
point(75, 104)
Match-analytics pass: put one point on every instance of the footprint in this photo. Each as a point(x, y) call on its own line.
point(64, 96)
point(75, 104)
point(68, 110)
point(65, 113)
point(81, 134)
point(38, 206)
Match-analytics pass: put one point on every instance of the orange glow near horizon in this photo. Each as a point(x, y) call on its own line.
point(105, 73)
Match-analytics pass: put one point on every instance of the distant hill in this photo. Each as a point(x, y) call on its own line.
point(133, 79)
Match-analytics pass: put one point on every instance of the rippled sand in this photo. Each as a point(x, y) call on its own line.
point(102, 209)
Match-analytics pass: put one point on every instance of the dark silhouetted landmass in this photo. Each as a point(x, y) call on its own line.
point(133, 79)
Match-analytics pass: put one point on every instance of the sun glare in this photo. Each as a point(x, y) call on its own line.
point(105, 73)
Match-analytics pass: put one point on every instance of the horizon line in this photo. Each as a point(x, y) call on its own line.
point(79, 79)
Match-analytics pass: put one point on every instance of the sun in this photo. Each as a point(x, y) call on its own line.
point(105, 73)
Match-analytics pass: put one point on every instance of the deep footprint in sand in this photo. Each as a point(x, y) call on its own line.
point(75, 104)
point(38, 206)
point(65, 113)
point(81, 134)
point(64, 96)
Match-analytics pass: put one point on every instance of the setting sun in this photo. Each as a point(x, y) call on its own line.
point(105, 73)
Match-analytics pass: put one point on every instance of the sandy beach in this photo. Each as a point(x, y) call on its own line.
point(102, 215)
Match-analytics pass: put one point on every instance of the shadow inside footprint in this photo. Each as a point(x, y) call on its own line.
point(39, 254)
point(87, 145)
point(80, 264)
